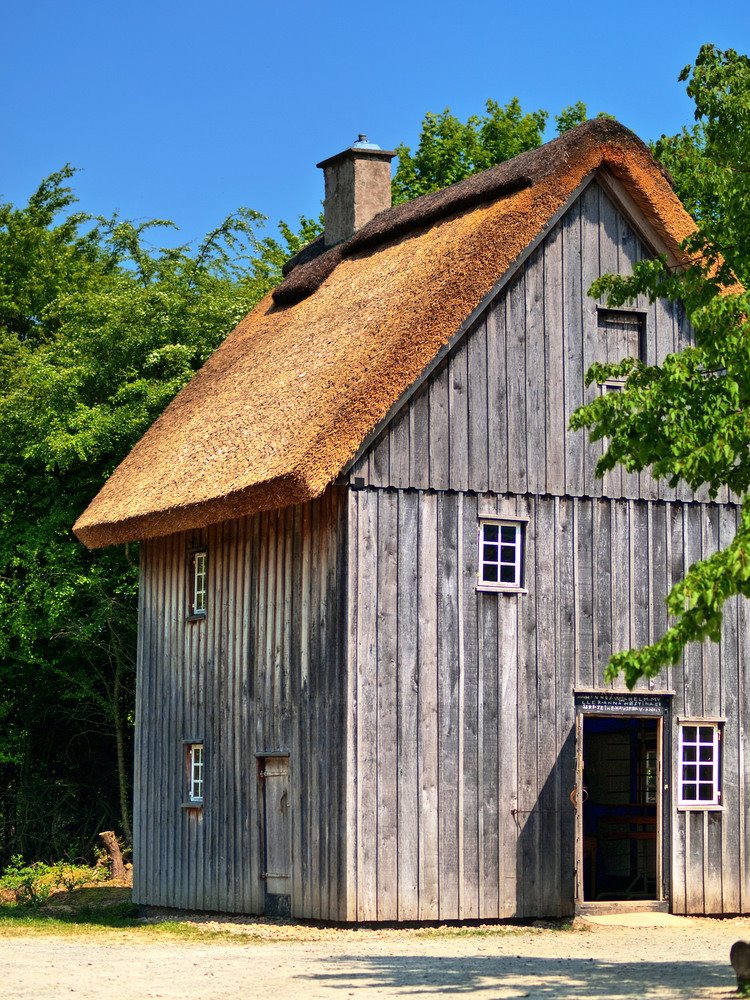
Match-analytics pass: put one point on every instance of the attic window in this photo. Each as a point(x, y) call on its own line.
point(197, 583)
point(622, 334)
point(501, 554)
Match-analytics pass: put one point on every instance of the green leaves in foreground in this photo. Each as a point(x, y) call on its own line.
point(689, 418)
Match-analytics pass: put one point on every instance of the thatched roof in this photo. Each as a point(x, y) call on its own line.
point(280, 408)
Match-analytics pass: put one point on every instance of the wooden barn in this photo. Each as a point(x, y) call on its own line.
point(380, 582)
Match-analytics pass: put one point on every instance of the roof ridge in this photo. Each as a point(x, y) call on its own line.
point(309, 268)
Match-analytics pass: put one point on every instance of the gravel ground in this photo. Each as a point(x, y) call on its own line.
point(687, 959)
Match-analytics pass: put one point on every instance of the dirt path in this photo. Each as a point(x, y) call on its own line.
point(685, 961)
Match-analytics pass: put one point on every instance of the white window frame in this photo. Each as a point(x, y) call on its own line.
point(198, 583)
point(696, 736)
point(518, 543)
point(196, 761)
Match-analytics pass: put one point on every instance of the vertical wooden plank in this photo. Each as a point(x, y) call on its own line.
point(478, 391)
point(448, 705)
point(472, 760)
point(573, 292)
point(319, 715)
point(743, 726)
point(408, 708)
point(497, 397)
point(419, 439)
point(255, 888)
point(544, 598)
point(306, 762)
point(604, 570)
point(585, 612)
point(400, 449)
point(732, 794)
point(555, 423)
point(458, 417)
point(536, 387)
point(352, 707)
point(515, 298)
point(510, 868)
point(591, 233)
point(380, 460)
point(367, 705)
point(439, 429)
point(528, 731)
point(428, 748)
point(567, 604)
point(490, 756)
point(639, 560)
point(387, 700)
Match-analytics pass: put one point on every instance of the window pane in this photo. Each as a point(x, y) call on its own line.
point(508, 533)
point(508, 554)
point(689, 772)
point(706, 793)
point(707, 753)
point(688, 793)
point(490, 553)
point(689, 734)
point(489, 573)
point(508, 574)
point(706, 734)
point(706, 772)
point(688, 753)
point(491, 532)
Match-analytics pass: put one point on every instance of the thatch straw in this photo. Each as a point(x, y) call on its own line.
point(286, 401)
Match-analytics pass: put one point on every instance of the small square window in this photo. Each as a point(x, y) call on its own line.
point(197, 583)
point(699, 764)
point(501, 555)
point(195, 773)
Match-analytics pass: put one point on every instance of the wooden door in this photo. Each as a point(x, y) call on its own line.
point(276, 839)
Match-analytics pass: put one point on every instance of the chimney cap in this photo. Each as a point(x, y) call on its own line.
point(362, 143)
point(362, 147)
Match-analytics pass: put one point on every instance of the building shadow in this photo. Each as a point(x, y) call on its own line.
point(520, 976)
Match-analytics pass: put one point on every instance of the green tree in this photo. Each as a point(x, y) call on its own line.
point(98, 331)
point(450, 149)
point(689, 418)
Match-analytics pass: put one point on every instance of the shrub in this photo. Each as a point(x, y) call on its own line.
point(30, 884)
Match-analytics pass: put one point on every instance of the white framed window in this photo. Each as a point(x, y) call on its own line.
point(699, 763)
point(198, 583)
point(195, 763)
point(501, 548)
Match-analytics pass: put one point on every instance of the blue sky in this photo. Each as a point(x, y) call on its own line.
point(186, 110)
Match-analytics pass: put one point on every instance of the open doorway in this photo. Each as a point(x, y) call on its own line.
point(620, 813)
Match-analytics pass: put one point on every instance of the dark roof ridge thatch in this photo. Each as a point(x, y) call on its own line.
point(309, 268)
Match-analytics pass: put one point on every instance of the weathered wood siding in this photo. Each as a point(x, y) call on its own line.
point(264, 673)
point(461, 720)
point(494, 415)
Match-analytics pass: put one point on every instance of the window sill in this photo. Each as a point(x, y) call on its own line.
point(192, 805)
point(487, 589)
point(196, 618)
point(709, 807)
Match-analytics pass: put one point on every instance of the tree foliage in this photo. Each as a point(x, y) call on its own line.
point(98, 331)
point(450, 149)
point(689, 417)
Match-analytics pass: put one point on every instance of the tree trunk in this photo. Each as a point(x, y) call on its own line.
point(117, 865)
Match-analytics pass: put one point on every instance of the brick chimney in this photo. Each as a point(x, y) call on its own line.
point(358, 186)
